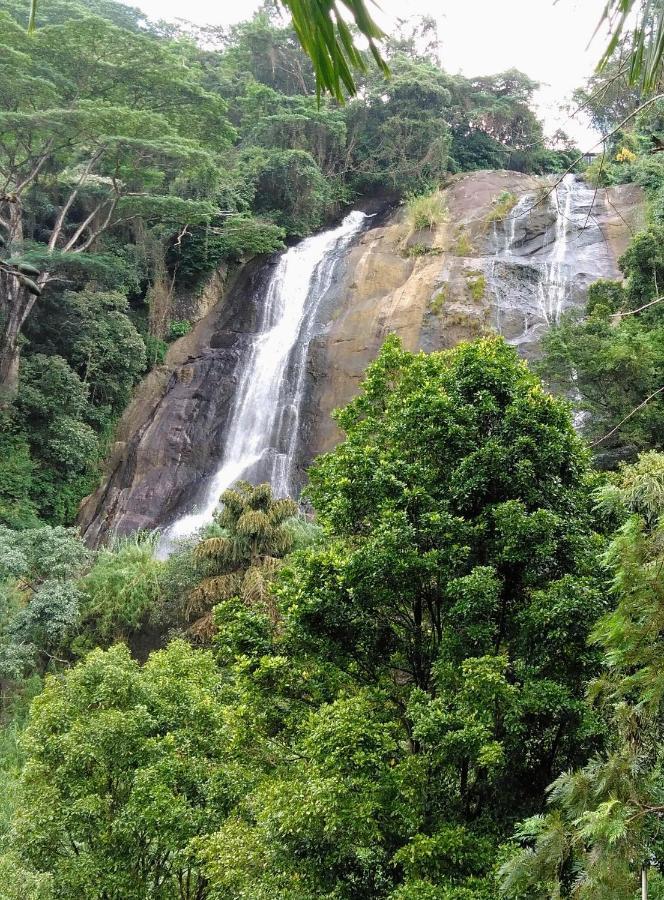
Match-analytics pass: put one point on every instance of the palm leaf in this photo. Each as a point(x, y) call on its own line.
point(645, 40)
point(327, 40)
point(220, 549)
point(280, 510)
point(203, 629)
point(211, 591)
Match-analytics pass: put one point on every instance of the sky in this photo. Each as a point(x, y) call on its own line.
point(545, 39)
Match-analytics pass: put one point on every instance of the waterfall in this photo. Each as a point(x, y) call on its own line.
point(552, 290)
point(544, 257)
point(262, 435)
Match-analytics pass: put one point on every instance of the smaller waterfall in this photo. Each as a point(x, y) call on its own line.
point(545, 255)
point(263, 428)
point(552, 290)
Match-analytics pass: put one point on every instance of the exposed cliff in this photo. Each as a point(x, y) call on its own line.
point(466, 285)
point(474, 273)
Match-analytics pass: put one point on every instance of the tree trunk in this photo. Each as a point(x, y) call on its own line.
point(11, 321)
point(15, 306)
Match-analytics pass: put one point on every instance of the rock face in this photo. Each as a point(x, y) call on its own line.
point(510, 255)
point(172, 434)
point(481, 275)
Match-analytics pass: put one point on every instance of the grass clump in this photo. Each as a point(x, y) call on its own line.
point(421, 250)
point(476, 285)
point(502, 205)
point(426, 211)
point(463, 245)
point(438, 301)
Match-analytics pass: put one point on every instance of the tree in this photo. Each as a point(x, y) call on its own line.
point(125, 769)
point(247, 555)
point(98, 163)
point(611, 357)
point(427, 669)
point(39, 599)
point(604, 824)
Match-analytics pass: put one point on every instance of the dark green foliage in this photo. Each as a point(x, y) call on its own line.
point(51, 407)
point(612, 358)
point(604, 821)
point(458, 563)
point(92, 331)
point(204, 248)
point(151, 739)
point(39, 598)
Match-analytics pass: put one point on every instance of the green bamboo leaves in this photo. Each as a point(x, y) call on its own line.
point(327, 39)
point(645, 39)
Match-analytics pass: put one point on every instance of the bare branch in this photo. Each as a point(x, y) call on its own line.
point(36, 169)
point(57, 228)
point(97, 231)
point(84, 224)
point(629, 416)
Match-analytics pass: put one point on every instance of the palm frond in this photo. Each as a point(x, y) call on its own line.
point(260, 497)
point(253, 523)
point(280, 510)
point(220, 549)
point(327, 40)
point(254, 586)
point(203, 629)
point(213, 590)
point(644, 40)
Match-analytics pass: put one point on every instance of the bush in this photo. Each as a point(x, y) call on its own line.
point(121, 589)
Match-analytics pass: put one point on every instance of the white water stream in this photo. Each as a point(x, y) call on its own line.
point(535, 275)
point(263, 426)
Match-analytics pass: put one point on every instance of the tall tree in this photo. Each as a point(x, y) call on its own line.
point(604, 828)
point(97, 163)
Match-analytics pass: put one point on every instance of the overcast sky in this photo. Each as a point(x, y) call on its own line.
point(545, 39)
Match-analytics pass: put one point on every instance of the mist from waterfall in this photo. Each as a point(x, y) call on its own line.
point(262, 435)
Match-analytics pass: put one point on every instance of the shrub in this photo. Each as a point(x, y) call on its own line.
point(476, 285)
point(438, 300)
point(463, 245)
point(122, 588)
point(178, 328)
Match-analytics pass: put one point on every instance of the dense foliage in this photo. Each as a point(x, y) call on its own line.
point(367, 707)
point(605, 818)
point(610, 356)
point(375, 723)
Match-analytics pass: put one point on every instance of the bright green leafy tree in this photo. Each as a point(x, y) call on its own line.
point(604, 825)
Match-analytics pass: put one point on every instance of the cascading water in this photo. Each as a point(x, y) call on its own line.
point(545, 256)
point(263, 427)
point(552, 289)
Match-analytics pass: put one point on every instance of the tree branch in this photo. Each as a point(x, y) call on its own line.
point(104, 225)
point(629, 416)
point(57, 228)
